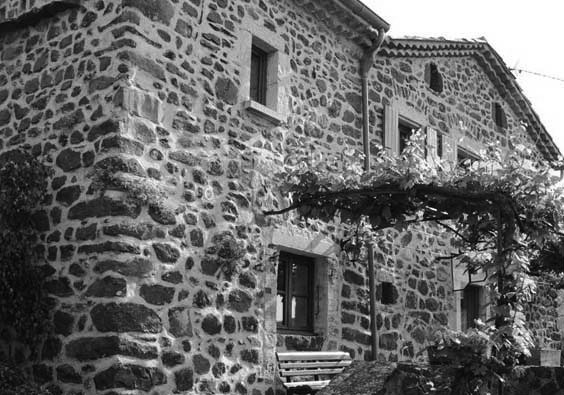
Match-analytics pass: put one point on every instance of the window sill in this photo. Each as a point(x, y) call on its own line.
point(263, 111)
point(295, 332)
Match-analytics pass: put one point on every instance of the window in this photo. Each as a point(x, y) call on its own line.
point(264, 61)
point(386, 293)
point(435, 145)
point(259, 63)
point(470, 306)
point(499, 116)
point(294, 299)
point(433, 77)
point(465, 158)
point(397, 130)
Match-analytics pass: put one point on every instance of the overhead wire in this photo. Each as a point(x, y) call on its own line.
point(537, 74)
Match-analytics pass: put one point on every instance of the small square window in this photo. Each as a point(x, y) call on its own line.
point(259, 68)
point(294, 299)
point(465, 158)
point(387, 293)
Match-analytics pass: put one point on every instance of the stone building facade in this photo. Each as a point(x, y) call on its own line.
point(164, 268)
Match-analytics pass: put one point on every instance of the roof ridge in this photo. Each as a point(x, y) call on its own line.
point(441, 39)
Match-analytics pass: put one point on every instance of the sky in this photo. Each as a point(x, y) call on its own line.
point(528, 35)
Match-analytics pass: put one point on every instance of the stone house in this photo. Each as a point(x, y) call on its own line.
point(164, 121)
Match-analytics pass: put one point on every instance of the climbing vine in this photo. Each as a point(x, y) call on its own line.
point(502, 211)
point(24, 306)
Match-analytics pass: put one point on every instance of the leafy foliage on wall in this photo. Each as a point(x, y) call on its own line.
point(502, 211)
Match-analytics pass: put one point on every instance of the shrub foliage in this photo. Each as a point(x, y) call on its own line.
point(23, 305)
point(14, 382)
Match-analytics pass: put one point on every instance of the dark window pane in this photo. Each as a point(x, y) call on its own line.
point(439, 145)
point(258, 75)
point(281, 280)
point(299, 312)
point(436, 79)
point(472, 297)
point(470, 307)
point(255, 66)
point(499, 116)
point(300, 279)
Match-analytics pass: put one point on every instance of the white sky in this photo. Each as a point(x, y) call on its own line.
point(527, 34)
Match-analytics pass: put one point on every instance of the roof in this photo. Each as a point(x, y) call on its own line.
point(351, 19)
point(494, 67)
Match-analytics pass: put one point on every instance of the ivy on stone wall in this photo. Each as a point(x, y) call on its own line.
point(24, 306)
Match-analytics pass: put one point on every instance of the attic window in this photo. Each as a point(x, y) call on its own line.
point(499, 116)
point(433, 77)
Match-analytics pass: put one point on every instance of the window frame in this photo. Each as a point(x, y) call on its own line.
point(268, 104)
point(285, 257)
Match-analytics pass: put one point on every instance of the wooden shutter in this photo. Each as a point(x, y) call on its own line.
point(431, 145)
point(391, 135)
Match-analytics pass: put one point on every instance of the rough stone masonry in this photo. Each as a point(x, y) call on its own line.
point(164, 269)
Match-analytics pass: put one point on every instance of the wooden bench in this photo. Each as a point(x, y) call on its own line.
point(308, 372)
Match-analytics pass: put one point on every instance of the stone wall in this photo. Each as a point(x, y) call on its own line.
point(163, 267)
point(462, 110)
point(421, 294)
point(543, 315)
point(61, 86)
point(12, 10)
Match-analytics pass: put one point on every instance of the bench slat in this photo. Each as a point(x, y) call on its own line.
point(313, 384)
point(313, 356)
point(292, 365)
point(310, 372)
point(324, 364)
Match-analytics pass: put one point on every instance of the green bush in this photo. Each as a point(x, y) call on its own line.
point(24, 306)
point(14, 382)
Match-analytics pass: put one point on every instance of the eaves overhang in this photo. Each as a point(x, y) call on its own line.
point(350, 19)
